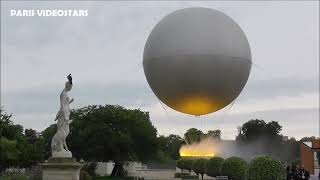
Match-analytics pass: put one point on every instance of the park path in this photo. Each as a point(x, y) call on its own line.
point(313, 178)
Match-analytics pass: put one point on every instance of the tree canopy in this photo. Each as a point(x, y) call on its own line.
point(257, 129)
point(195, 135)
point(18, 149)
point(216, 134)
point(113, 133)
point(266, 138)
point(170, 145)
point(103, 133)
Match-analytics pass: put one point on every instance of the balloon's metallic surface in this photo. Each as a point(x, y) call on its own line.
point(197, 60)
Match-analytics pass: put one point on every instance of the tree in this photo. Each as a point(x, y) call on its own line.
point(213, 166)
point(180, 164)
point(31, 136)
point(266, 138)
point(235, 168)
point(290, 150)
point(256, 129)
point(193, 135)
point(7, 128)
point(272, 169)
point(216, 134)
point(272, 129)
point(46, 138)
point(253, 129)
point(20, 150)
point(9, 153)
point(103, 133)
point(188, 164)
point(170, 145)
point(199, 166)
point(29, 154)
point(307, 139)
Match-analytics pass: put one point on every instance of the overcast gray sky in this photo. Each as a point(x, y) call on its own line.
point(103, 51)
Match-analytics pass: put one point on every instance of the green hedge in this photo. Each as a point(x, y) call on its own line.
point(213, 166)
point(199, 166)
point(235, 168)
point(181, 175)
point(260, 168)
point(188, 164)
point(180, 164)
point(266, 168)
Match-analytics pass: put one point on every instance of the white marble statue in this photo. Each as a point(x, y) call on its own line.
point(59, 146)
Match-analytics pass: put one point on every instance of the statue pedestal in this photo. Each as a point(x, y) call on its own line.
point(62, 154)
point(61, 168)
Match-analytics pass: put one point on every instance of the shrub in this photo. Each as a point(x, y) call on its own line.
point(180, 164)
point(235, 168)
point(199, 166)
point(213, 166)
point(265, 168)
point(187, 164)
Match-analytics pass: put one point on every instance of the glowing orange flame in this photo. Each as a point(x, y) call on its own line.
point(205, 148)
point(196, 104)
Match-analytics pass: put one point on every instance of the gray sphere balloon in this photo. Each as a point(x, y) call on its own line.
point(197, 60)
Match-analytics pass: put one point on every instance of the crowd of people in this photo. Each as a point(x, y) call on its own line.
point(297, 173)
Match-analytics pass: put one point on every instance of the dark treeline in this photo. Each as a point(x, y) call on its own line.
point(18, 147)
point(254, 138)
point(103, 133)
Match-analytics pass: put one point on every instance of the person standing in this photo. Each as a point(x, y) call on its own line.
point(304, 174)
point(288, 171)
point(295, 173)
